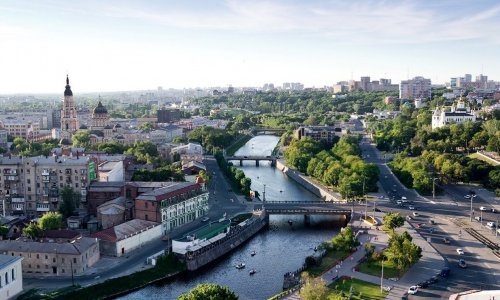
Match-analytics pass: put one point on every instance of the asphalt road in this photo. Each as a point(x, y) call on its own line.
point(477, 275)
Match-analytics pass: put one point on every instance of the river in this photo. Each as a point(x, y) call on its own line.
point(280, 249)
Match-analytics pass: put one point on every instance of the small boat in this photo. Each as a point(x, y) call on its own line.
point(240, 266)
point(252, 271)
point(290, 222)
point(253, 253)
point(315, 249)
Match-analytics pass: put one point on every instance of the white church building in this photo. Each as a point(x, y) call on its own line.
point(458, 113)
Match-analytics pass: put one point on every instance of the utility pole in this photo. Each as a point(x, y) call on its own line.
point(496, 230)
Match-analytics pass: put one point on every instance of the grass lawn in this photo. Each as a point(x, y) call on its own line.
point(368, 290)
point(486, 159)
point(329, 260)
point(375, 268)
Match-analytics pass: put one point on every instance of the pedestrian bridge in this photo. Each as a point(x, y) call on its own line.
point(256, 158)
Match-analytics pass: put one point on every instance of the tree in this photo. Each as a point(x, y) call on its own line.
point(393, 221)
point(111, 148)
point(209, 291)
point(344, 241)
point(81, 138)
point(4, 230)
point(313, 288)
point(32, 231)
point(50, 221)
point(70, 202)
point(369, 249)
point(402, 252)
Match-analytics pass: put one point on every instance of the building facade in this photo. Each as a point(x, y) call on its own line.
point(31, 186)
point(459, 113)
point(418, 87)
point(327, 134)
point(11, 278)
point(28, 130)
point(55, 258)
point(174, 205)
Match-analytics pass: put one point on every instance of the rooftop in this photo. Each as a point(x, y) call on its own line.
point(208, 231)
point(170, 187)
point(6, 260)
point(124, 230)
point(76, 247)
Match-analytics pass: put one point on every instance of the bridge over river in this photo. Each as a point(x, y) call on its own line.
point(307, 208)
point(256, 158)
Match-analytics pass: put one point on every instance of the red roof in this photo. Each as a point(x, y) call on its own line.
point(106, 234)
point(200, 179)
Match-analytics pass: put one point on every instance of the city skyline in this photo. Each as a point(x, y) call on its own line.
point(121, 46)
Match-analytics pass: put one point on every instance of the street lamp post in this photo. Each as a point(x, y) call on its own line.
point(382, 277)
point(471, 194)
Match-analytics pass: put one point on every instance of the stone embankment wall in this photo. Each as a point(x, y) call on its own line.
point(230, 243)
point(306, 183)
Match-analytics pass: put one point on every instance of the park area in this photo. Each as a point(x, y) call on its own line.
point(356, 289)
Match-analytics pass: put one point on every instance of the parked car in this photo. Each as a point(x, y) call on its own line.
point(460, 251)
point(477, 219)
point(431, 221)
point(205, 219)
point(483, 208)
point(491, 225)
point(415, 214)
point(431, 230)
point(462, 264)
point(409, 218)
point(403, 198)
point(445, 272)
point(446, 240)
point(413, 290)
point(419, 225)
point(467, 196)
point(411, 207)
point(493, 210)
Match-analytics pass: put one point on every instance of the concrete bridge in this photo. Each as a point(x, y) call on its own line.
point(264, 130)
point(257, 159)
point(308, 208)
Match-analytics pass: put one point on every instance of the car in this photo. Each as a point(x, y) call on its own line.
point(493, 210)
point(409, 218)
point(474, 195)
point(415, 214)
point(413, 290)
point(460, 251)
point(462, 264)
point(381, 197)
point(399, 202)
point(445, 272)
point(491, 225)
point(467, 196)
point(411, 207)
point(431, 230)
point(431, 221)
point(477, 219)
point(419, 225)
point(423, 284)
point(482, 208)
point(446, 240)
point(205, 219)
point(403, 198)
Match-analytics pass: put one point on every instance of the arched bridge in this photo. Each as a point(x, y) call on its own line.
point(256, 158)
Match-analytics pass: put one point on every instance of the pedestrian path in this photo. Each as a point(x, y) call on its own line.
point(430, 264)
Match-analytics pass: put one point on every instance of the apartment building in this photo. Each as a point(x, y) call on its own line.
point(31, 185)
point(11, 279)
point(327, 134)
point(418, 87)
point(173, 205)
point(21, 128)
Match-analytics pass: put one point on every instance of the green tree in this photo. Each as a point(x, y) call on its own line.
point(81, 138)
point(344, 241)
point(70, 201)
point(146, 126)
point(402, 252)
point(32, 231)
point(393, 221)
point(50, 221)
point(111, 148)
point(369, 249)
point(4, 230)
point(314, 288)
point(209, 291)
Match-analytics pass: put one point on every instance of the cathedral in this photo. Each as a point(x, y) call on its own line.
point(100, 128)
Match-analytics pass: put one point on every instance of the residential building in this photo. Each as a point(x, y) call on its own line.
point(111, 171)
point(31, 185)
point(3, 138)
point(458, 113)
point(327, 134)
point(11, 278)
point(418, 87)
point(119, 240)
point(173, 205)
point(114, 212)
point(391, 100)
point(21, 128)
point(168, 115)
point(54, 256)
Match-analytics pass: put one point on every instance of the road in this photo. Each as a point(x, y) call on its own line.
point(478, 274)
point(221, 200)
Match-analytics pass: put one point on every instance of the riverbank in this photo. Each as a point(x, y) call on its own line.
point(238, 144)
point(308, 184)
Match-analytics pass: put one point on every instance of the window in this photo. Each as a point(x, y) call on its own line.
point(46, 257)
point(74, 260)
point(28, 181)
point(146, 217)
point(62, 259)
point(38, 256)
point(54, 259)
point(13, 274)
point(6, 278)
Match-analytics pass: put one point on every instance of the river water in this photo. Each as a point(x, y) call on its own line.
point(280, 249)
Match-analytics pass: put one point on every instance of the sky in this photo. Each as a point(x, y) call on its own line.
point(137, 45)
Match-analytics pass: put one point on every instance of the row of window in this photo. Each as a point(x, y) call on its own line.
point(5, 280)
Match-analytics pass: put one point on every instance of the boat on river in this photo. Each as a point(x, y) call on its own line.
point(240, 265)
point(290, 222)
point(252, 271)
point(253, 253)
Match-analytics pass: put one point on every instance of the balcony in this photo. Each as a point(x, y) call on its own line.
point(11, 178)
point(54, 200)
point(17, 199)
point(45, 178)
point(42, 207)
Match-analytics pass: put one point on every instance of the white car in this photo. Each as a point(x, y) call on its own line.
point(483, 208)
point(460, 251)
point(467, 196)
point(412, 290)
point(403, 198)
point(415, 214)
point(411, 207)
point(491, 225)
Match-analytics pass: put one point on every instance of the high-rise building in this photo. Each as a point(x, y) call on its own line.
point(168, 115)
point(69, 118)
point(418, 87)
